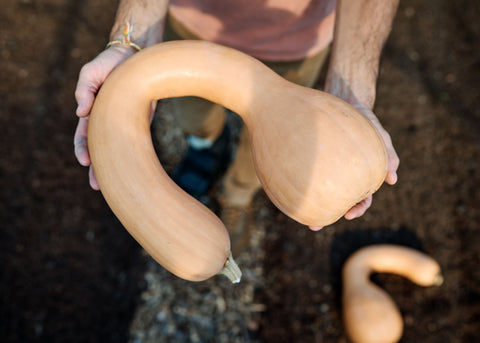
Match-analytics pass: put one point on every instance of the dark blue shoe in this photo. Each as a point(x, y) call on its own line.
point(201, 168)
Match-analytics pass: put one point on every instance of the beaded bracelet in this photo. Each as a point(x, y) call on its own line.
point(126, 32)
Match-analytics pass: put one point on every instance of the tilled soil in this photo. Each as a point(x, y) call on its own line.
point(71, 273)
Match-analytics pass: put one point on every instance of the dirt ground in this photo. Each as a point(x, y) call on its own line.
point(69, 272)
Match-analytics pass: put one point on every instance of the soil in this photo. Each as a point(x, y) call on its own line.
point(70, 273)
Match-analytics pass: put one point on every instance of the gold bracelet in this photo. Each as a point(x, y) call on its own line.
point(126, 32)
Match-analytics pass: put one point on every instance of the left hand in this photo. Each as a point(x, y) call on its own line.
point(393, 162)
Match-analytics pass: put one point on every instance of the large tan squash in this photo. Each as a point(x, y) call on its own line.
point(369, 313)
point(315, 155)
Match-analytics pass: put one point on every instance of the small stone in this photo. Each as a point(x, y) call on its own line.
point(38, 329)
point(23, 73)
point(90, 235)
point(258, 307)
point(324, 308)
point(413, 55)
point(422, 99)
point(409, 12)
point(161, 316)
point(221, 305)
point(450, 78)
point(75, 53)
point(408, 320)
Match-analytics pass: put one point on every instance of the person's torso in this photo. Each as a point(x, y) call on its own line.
point(275, 30)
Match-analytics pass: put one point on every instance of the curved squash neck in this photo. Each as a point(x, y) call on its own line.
point(402, 261)
point(224, 76)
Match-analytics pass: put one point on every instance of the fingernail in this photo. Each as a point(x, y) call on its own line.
point(79, 106)
point(393, 177)
point(79, 149)
point(316, 228)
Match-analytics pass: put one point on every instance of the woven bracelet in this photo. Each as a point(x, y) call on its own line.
point(126, 32)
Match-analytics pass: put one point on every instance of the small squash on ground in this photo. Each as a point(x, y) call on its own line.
point(369, 313)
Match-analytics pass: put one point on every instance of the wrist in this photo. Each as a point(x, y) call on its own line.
point(125, 39)
point(356, 87)
point(142, 21)
point(361, 29)
point(121, 50)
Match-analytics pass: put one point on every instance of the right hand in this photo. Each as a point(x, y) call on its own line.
point(92, 75)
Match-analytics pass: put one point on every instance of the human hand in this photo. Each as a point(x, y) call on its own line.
point(92, 75)
point(393, 162)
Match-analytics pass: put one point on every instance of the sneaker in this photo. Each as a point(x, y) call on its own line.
point(201, 168)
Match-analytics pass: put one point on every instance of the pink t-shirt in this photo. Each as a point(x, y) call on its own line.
point(273, 30)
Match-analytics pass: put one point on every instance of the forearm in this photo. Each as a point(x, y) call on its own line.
point(147, 18)
point(361, 29)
